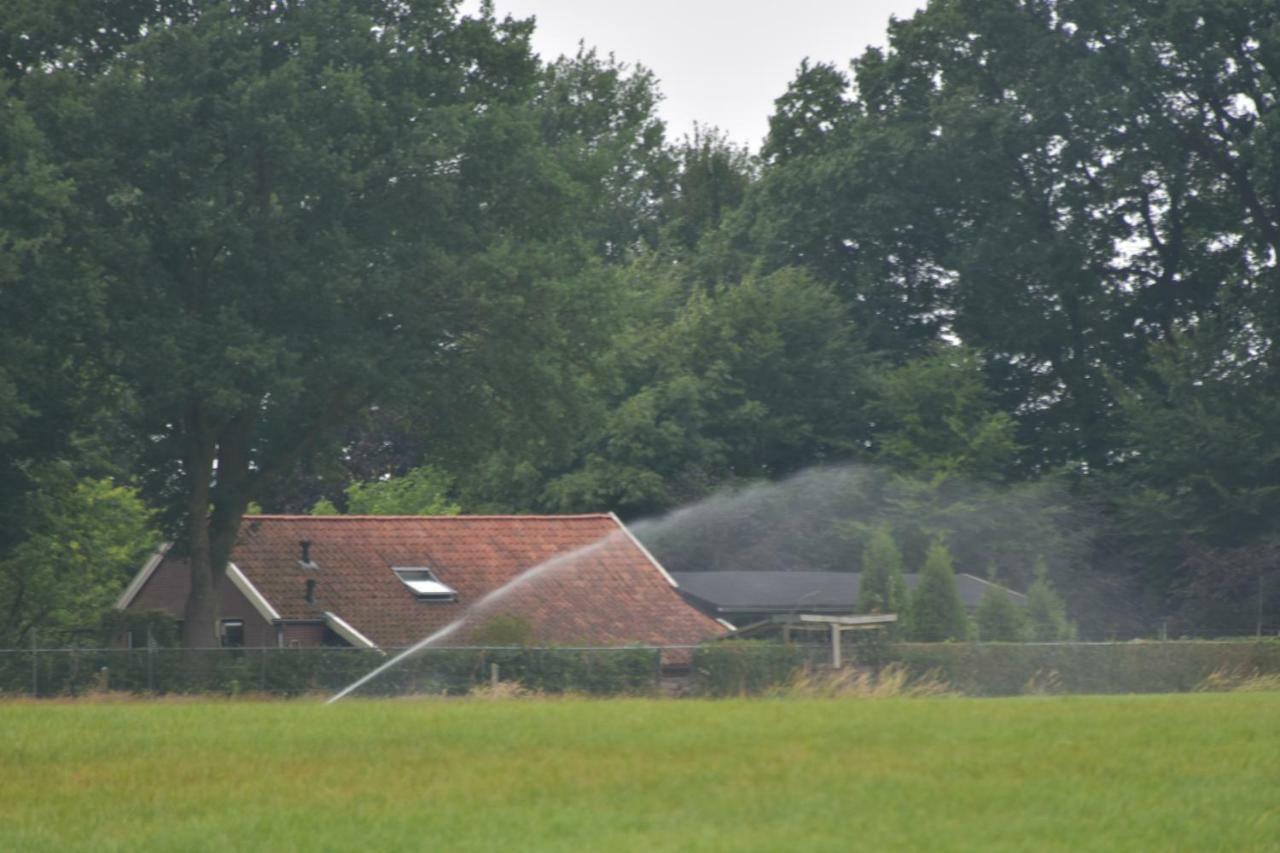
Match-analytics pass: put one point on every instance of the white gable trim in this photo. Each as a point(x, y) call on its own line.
point(998, 586)
point(348, 633)
point(644, 550)
point(249, 591)
point(140, 579)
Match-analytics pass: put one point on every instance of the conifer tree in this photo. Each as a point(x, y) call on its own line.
point(998, 618)
point(937, 614)
point(882, 588)
point(1046, 612)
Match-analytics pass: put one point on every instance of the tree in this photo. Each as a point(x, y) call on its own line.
point(934, 416)
point(712, 180)
point(298, 210)
point(937, 614)
point(85, 539)
point(422, 491)
point(1046, 613)
point(757, 378)
point(881, 586)
point(600, 122)
point(998, 618)
point(1055, 183)
point(809, 114)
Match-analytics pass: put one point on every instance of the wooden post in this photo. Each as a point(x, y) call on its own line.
point(493, 675)
point(151, 660)
point(835, 646)
point(786, 633)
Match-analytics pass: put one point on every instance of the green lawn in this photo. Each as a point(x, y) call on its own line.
point(1193, 772)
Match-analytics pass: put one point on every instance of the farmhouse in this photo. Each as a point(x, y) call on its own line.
point(389, 581)
point(746, 597)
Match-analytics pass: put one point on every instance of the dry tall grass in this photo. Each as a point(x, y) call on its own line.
point(892, 681)
point(1238, 681)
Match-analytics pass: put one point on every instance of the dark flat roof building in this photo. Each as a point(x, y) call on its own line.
point(739, 597)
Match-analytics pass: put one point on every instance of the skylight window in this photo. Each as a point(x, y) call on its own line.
point(425, 584)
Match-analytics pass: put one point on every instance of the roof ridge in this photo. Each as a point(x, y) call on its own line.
point(538, 517)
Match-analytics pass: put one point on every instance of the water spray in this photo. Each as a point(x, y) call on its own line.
point(488, 599)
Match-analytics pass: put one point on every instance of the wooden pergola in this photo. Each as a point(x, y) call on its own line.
point(787, 623)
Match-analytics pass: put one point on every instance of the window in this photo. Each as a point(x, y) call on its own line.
point(425, 584)
point(232, 633)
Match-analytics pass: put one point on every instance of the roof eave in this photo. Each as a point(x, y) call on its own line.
point(144, 574)
point(652, 559)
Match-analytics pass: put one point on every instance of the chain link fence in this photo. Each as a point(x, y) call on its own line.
point(731, 668)
point(298, 671)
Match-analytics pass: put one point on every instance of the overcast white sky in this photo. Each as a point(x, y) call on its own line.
point(720, 62)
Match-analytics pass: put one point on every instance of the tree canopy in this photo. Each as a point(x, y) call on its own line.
point(1016, 272)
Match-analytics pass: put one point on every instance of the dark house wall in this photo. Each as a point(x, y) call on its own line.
point(304, 635)
point(167, 590)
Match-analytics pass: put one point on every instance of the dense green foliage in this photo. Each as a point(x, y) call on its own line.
point(422, 491)
point(379, 257)
point(1046, 613)
point(742, 667)
point(936, 613)
point(164, 669)
point(1114, 773)
point(998, 619)
point(85, 539)
point(731, 668)
point(882, 588)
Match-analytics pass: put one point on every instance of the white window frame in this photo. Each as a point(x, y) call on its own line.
point(428, 588)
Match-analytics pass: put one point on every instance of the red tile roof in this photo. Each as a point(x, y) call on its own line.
point(603, 589)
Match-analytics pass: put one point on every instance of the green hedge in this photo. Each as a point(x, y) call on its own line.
point(744, 667)
point(291, 672)
point(1007, 669)
point(719, 669)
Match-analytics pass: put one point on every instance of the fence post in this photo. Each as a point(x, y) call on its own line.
point(493, 675)
point(151, 662)
point(35, 667)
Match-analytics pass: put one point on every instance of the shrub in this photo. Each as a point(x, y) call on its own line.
point(742, 667)
point(1046, 612)
point(937, 613)
point(998, 618)
point(882, 588)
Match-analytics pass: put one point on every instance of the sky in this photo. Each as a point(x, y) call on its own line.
point(718, 62)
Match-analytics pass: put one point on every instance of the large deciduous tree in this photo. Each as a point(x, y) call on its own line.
point(1056, 182)
point(293, 207)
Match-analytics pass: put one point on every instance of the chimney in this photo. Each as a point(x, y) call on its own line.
point(305, 562)
point(311, 591)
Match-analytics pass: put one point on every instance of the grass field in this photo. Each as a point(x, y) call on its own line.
point(1170, 772)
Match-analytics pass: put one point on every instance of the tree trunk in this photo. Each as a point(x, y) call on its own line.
point(214, 511)
point(200, 617)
